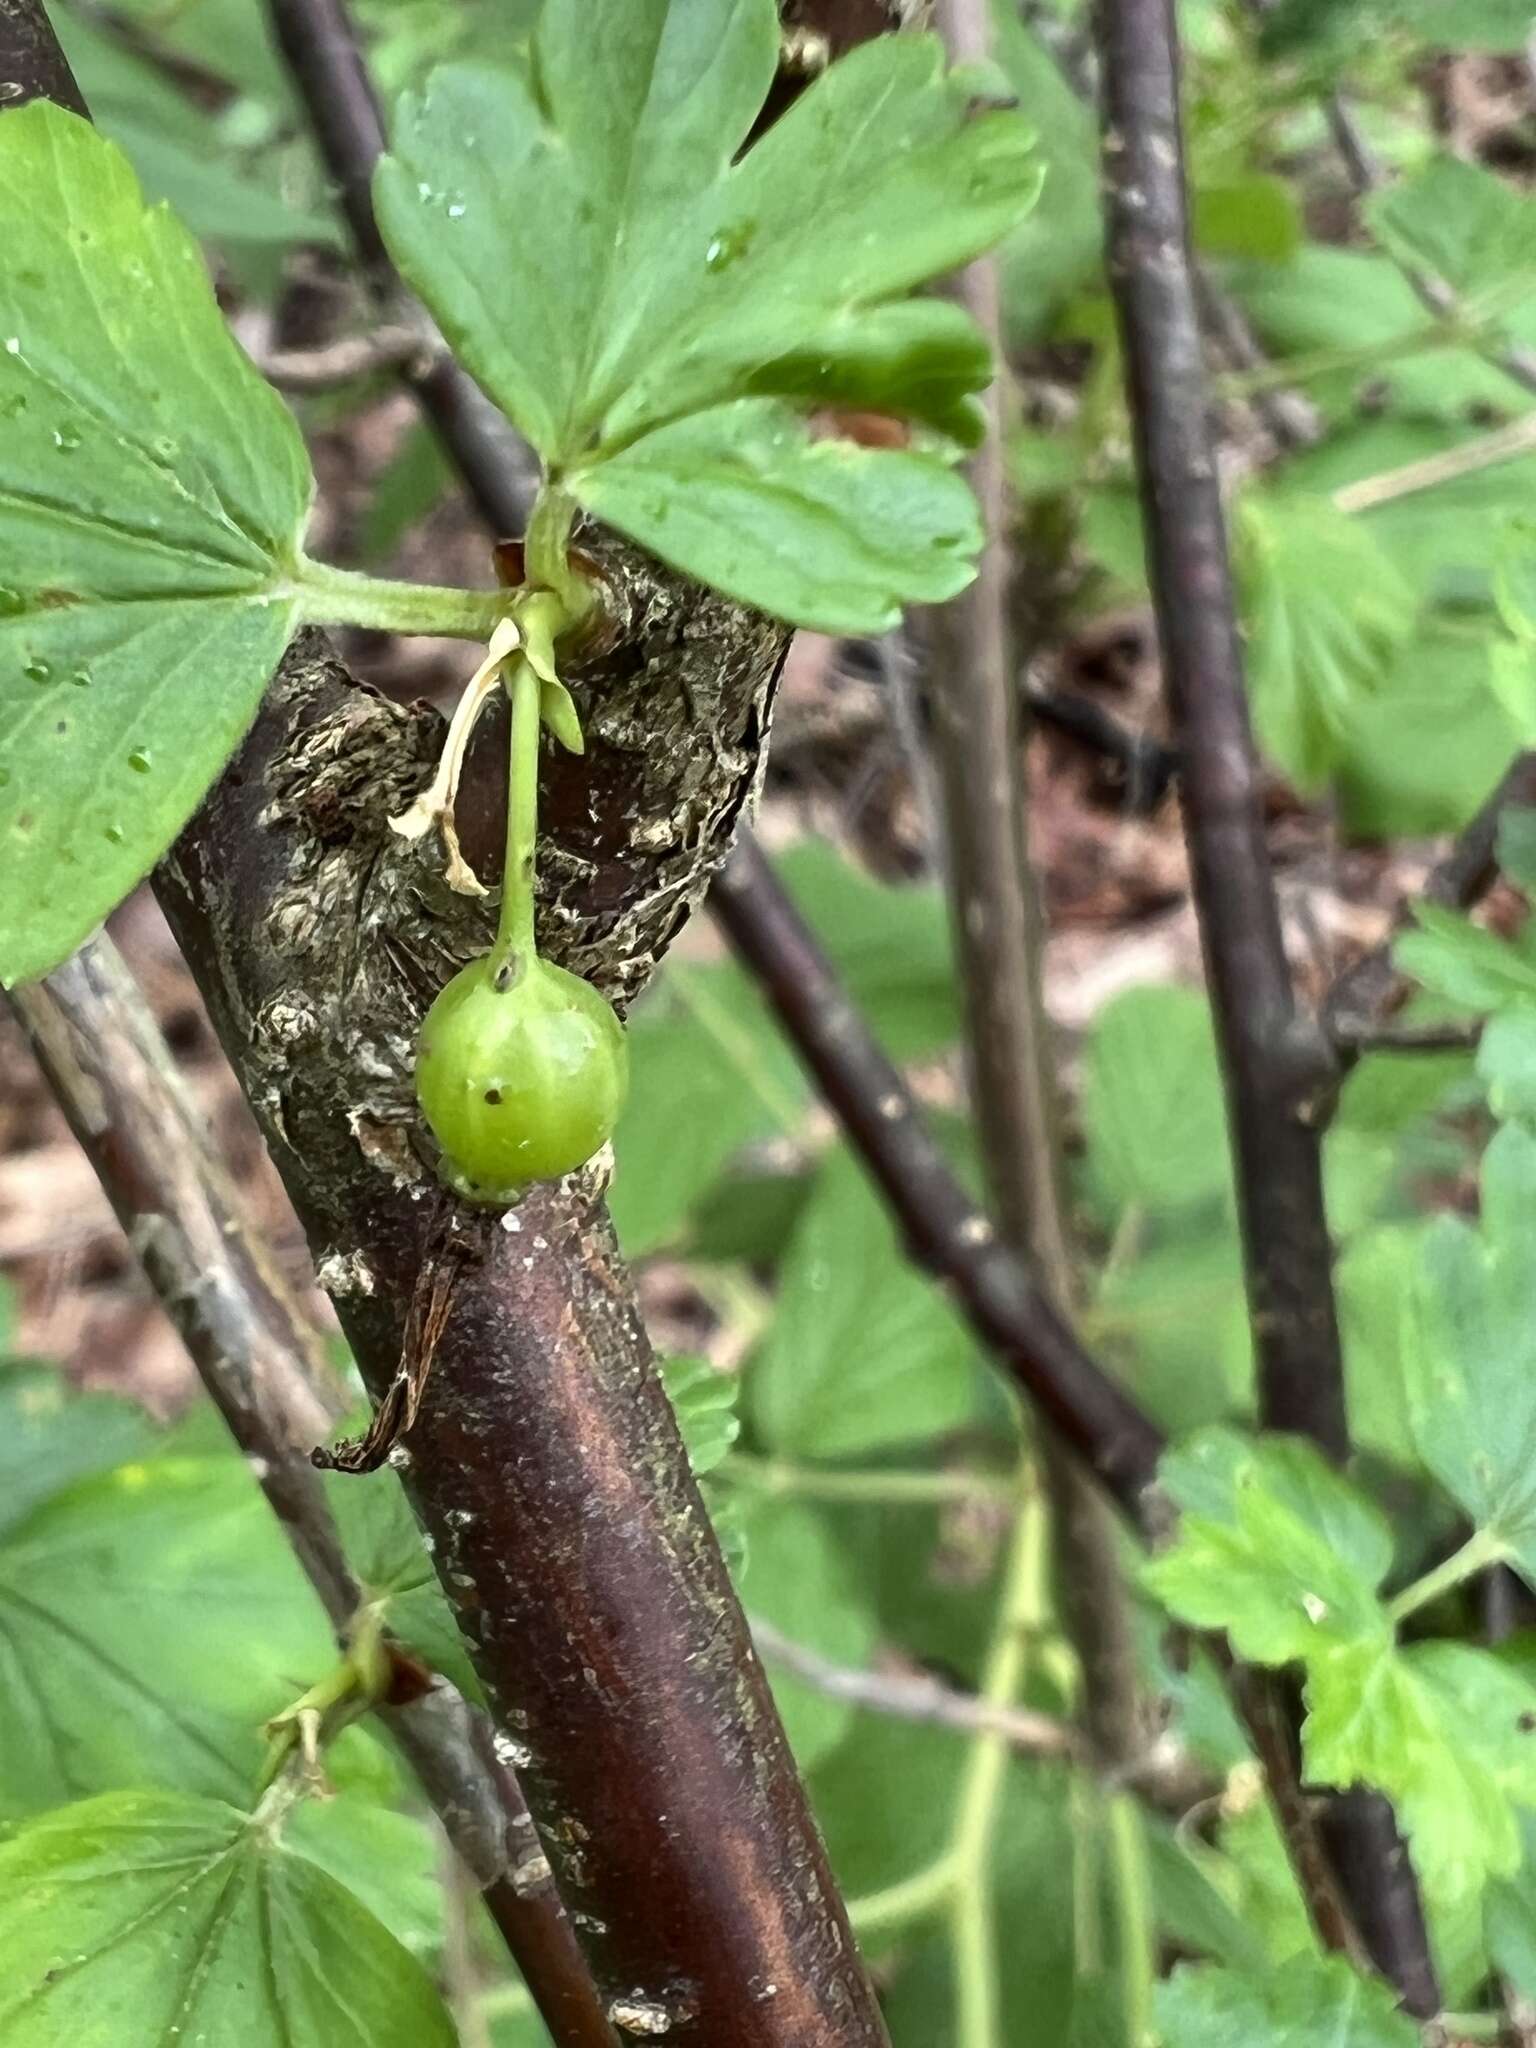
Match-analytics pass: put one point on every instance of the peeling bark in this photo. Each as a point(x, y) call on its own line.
point(546, 1464)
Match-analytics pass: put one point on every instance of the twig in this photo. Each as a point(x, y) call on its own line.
point(324, 56)
point(1146, 763)
point(1357, 1008)
point(1366, 175)
point(1291, 418)
point(920, 1699)
point(1505, 444)
point(343, 361)
point(1353, 1039)
point(1270, 1051)
point(263, 1364)
point(946, 1232)
point(999, 937)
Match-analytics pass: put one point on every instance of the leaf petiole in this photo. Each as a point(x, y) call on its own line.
point(1481, 1549)
point(341, 597)
point(514, 946)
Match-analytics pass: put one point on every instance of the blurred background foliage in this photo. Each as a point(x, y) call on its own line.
point(872, 1484)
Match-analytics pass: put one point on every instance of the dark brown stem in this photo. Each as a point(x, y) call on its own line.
point(32, 66)
point(263, 1364)
point(1267, 1045)
point(547, 1466)
point(545, 1463)
point(1272, 1055)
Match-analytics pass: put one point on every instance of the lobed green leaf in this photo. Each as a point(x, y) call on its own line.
point(144, 1916)
point(602, 194)
point(150, 1619)
point(1273, 1545)
point(824, 532)
point(1314, 1999)
point(153, 492)
point(1326, 612)
point(1469, 1353)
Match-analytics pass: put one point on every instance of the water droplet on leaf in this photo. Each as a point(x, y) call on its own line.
point(66, 439)
point(729, 245)
point(38, 671)
point(114, 833)
point(139, 761)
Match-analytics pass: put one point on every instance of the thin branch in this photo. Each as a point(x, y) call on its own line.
point(343, 361)
point(1270, 1051)
point(946, 1231)
point(1354, 1040)
point(1504, 444)
point(264, 1366)
point(1147, 765)
point(999, 930)
point(324, 57)
point(925, 1699)
point(1367, 176)
point(1357, 1009)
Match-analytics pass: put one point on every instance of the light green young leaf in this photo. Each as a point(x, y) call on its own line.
point(863, 1351)
point(1325, 611)
point(1273, 1546)
point(1446, 1731)
point(610, 172)
point(1256, 216)
point(153, 491)
point(1506, 1063)
point(1460, 222)
point(823, 532)
point(143, 1916)
point(150, 1620)
point(1464, 963)
point(1469, 1352)
point(1312, 2001)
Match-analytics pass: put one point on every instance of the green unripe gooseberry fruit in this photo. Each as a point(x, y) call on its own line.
point(521, 1083)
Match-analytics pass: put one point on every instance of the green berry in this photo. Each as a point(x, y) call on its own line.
point(521, 1083)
